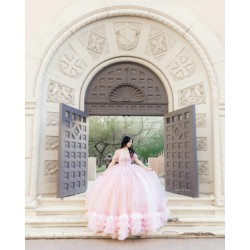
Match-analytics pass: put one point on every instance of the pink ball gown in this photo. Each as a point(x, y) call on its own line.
point(126, 200)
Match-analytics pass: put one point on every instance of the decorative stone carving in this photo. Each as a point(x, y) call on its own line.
point(51, 142)
point(50, 167)
point(127, 35)
point(192, 95)
point(159, 42)
point(70, 63)
point(203, 168)
point(95, 41)
point(182, 66)
point(201, 120)
point(201, 143)
point(52, 119)
point(58, 93)
point(126, 93)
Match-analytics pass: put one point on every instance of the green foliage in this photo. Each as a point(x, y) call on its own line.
point(106, 134)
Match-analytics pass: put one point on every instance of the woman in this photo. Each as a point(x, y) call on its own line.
point(127, 199)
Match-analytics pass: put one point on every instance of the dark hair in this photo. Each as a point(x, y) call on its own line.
point(126, 139)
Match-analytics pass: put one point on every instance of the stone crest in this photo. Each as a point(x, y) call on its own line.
point(127, 36)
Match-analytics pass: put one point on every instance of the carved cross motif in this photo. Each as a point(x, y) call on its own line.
point(182, 67)
point(71, 64)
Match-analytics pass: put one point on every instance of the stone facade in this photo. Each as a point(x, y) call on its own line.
point(84, 38)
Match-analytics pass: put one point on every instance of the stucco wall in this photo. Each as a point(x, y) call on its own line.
point(39, 11)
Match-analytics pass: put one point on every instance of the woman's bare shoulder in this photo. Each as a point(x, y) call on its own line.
point(117, 151)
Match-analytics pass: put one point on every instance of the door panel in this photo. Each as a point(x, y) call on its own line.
point(73, 152)
point(181, 171)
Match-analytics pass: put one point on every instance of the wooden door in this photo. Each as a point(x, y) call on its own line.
point(73, 152)
point(181, 171)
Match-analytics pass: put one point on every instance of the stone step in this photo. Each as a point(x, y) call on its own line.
point(80, 199)
point(60, 209)
point(164, 232)
point(81, 221)
point(79, 209)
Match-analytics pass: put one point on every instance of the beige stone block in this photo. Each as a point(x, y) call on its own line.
point(210, 42)
point(92, 168)
point(175, 10)
point(29, 123)
point(45, 36)
point(136, 4)
point(27, 176)
point(32, 66)
point(78, 9)
point(157, 164)
point(219, 69)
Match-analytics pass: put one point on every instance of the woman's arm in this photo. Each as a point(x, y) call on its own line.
point(112, 163)
point(141, 163)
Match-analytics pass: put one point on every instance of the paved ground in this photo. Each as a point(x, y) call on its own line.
point(129, 244)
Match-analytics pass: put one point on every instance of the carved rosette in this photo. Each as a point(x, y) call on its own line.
point(182, 66)
point(50, 167)
point(95, 41)
point(201, 120)
point(203, 168)
point(192, 95)
point(201, 143)
point(127, 35)
point(71, 64)
point(52, 119)
point(51, 142)
point(58, 93)
point(126, 93)
point(159, 42)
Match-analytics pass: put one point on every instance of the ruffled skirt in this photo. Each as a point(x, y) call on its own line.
point(126, 200)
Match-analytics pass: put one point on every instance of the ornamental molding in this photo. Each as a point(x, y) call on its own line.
point(203, 168)
point(52, 119)
point(137, 13)
point(192, 95)
point(95, 41)
point(201, 120)
point(50, 167)
point(127, 35)
point(159, 42)
point(58, 93)
point(182, 66)
point(201, 143)
point(126, 93)
point(70, 63)
point(51, 142)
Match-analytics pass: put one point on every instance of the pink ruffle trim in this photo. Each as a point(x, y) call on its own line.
point(120, 227)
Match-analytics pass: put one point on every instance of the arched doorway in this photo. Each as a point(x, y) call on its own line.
point(126, 88)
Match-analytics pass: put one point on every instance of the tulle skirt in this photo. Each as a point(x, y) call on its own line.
point(126, 200)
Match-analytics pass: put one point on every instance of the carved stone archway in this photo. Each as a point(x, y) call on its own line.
point(126, 88)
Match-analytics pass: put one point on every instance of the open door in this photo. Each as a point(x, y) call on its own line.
point(73, 152)
point(181, 171)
